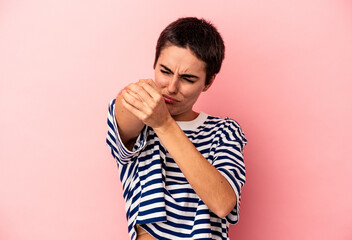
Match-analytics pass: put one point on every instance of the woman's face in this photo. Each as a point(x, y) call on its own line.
point(181, 77)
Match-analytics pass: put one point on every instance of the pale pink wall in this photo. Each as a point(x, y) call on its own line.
point(286, 79)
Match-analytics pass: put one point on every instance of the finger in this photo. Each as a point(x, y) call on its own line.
point(136, 112)
point(151, 83)
point(153, 90)
point(133, 93)
point(132, 99)
point(145, 96)
point(139, 104)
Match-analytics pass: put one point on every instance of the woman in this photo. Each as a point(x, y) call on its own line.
point(181, 171)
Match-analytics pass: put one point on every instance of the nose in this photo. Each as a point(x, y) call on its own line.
point(173, 85)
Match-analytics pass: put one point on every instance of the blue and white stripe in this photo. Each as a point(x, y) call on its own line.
point(157, 195)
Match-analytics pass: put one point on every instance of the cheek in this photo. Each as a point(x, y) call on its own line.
point(192, 93)
point(160, 81)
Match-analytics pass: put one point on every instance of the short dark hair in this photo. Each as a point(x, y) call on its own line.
point(200, 36)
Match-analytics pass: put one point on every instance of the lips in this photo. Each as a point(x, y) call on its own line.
point(169, 99)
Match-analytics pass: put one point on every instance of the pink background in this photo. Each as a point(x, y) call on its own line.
point(287, 79)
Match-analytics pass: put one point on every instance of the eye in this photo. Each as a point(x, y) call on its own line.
point(165, 72)
point(188, 80)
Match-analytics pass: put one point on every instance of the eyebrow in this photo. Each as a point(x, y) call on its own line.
point(182, 75)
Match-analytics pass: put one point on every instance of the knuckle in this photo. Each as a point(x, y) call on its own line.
point(135, 87)
point(124, 94)
point(130, 85)
point(153, 105)
point(158, 98)
point(141, 81)
point(149, 112)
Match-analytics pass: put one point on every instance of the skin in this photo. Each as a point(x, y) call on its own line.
point(179, 76)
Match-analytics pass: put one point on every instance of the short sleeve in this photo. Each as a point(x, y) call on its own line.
point(229, 161)
point(118, 149)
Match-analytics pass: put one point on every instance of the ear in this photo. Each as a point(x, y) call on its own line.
point(210, 83)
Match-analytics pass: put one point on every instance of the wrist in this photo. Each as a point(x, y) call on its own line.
point(166, 127)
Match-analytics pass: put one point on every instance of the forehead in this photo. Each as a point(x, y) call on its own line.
point(181, 59)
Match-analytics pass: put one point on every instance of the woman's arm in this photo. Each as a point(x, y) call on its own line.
point(210, 185)
point(128, 124)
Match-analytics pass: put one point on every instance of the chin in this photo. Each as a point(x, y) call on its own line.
point(173, 112)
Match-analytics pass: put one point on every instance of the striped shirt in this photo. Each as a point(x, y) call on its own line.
point(157, 195)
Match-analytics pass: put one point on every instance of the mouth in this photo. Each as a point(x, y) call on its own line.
point(169, 99)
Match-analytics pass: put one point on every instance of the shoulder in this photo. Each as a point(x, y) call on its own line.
point(222, 122)
point(229, 127)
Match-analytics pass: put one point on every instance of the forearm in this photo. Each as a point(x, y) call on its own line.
point(128, 124)
point(205, 179)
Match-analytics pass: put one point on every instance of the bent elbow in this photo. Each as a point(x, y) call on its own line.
point(222, 213)
point(225, 209)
